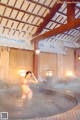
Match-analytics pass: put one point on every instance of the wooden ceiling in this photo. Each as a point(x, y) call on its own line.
point(52, 22)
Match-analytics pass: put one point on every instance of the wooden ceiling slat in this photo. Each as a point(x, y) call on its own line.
point(34, 8)
point(62, 13)
point(50, 3)
point(10, 15)
point(39, 4)
point(78, 12)
point(26, 30)
point(28, 16)
point(34, 16)
point(33, 20)
point(32, 29)
point(66, 27)
point(45, 9)
point(21, 4)
point(19, 8)
point(17, 15)
point(6, 31)
point(77, 30)
point(77, 34)
point(39, 9)
point(21, 34)
point(65, 34)
point(3, 15)
point(37, 22)
point(3, 30)
point(11, 27)
point(44, 12)
point(17, 20)
point(2, 4)
point(56, 22)
point(51, 25)
point(16, 27)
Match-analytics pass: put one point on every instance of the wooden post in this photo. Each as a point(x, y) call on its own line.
point(77, 62)
point(35, 60)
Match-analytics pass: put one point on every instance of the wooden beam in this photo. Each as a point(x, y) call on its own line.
point(78, 41)
point(71, 25)
point(48, 17)
point(70, 12)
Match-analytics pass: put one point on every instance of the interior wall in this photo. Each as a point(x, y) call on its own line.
point(13, 60)
point(58, 63)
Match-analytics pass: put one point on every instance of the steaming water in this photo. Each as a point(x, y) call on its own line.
point(44, 103)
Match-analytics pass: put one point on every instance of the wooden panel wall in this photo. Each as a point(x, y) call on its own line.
point(47, 61)
point(12, 60)
point(19, 59)
point(60, 66)
point(77, 62)
point(4, 63)
point(68, 61)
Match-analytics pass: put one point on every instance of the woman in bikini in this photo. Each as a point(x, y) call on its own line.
point(26, 91)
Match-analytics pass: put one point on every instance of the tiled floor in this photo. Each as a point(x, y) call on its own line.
point(73, 114)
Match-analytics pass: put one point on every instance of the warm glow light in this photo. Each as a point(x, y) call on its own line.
point(37, 52)
point(49, 73)
point(69, 74)
point(79, 58)
point(22, 73)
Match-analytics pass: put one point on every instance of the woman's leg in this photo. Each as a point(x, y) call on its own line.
point(26, 92)
point(24, 96)
point(30, 95)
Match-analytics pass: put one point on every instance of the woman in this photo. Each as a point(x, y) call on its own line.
point(26, 91)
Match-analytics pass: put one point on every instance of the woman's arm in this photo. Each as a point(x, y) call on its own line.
point(35, 79)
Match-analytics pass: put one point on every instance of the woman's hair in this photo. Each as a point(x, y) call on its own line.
point(28, 72)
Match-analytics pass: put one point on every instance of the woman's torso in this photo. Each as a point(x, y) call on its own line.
point(25, 81)
point(25, 84)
